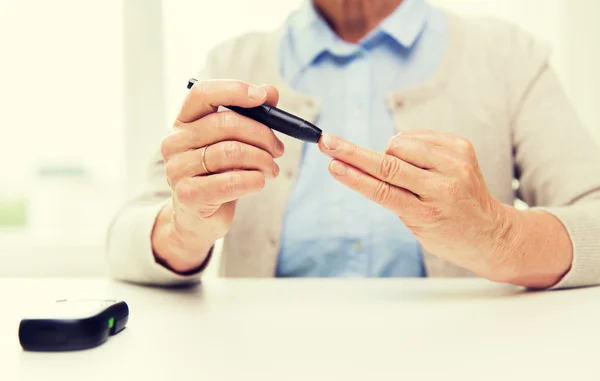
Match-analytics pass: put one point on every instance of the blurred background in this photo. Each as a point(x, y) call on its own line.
point(88, 88)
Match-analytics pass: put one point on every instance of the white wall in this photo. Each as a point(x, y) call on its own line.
point(60, 104)
point(193, 27)
point(60, 82)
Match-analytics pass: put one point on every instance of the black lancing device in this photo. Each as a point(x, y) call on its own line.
point(278, 120)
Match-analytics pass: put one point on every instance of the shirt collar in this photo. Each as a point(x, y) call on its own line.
point(407, 22)
point(311, 35)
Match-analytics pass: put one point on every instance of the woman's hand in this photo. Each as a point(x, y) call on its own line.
point(212, 159)
point(432, 181)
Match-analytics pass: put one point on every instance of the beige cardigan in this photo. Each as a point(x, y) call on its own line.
point(494, 87)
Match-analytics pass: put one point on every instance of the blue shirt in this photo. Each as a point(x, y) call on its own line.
point(330, 230)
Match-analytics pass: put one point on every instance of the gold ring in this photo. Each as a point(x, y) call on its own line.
point(203, 162)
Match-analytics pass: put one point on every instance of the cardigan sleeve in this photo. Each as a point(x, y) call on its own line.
point(129, 250)
point(557, 161)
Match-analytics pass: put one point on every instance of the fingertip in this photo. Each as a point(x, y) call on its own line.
point(262, 180)
point(272, 94)
point(257, 94)
point(279, 148)
point(270, 89)
point(337, 168)
point(322, 146)
point(329, 166)
point(328, 143)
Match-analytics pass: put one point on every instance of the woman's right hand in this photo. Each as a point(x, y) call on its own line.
point(212, 158)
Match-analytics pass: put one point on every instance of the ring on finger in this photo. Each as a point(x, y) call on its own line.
point(204, 160)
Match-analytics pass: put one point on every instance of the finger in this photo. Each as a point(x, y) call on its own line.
point(272, 95)
point(220, 157)
point(383, 167)
point(206, 96)
point(395, 199)
point(440, 138)
point(455, 144)
point(219, 188)
point(421, 153)
point(230, 155)
point(220, 126)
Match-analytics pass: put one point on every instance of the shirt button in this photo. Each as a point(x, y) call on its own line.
point(357, 245)
point(289, 174)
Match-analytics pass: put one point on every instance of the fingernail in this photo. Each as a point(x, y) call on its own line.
point(338, 168)
point(331, 142)
point(256, 93)
point(275, 169)
point(279, 148)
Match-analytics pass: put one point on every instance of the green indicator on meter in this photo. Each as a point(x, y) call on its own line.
point(111, 322)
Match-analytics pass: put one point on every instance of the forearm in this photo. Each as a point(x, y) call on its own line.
point(535, 250)
point(176, 251)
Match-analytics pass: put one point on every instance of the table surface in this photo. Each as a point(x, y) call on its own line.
point(342, 329)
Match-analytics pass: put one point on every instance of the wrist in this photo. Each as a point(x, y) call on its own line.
point(531, 248)
point(501, 256)
point(178, 252)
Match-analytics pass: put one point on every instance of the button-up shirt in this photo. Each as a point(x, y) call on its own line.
point(330, 230)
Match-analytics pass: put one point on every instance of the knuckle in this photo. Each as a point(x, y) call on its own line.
point(464, 145)
point(389, 167)
point(226, 120)
point(232, 149)
point(266, 135)
point(232, 184)
point(199, 90)
point(237, 87)
point(464, 169)
point(171, 169)
point(393, 144)
point(426, 148)
point(461, 142)
point(178, 124)
point(168, 146)
point(185, 192)
point(243, 182)
point(382, 193)
point(263, 159)
point(452, 187)
point(352, 150)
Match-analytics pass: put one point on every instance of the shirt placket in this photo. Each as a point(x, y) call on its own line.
point(357, 101)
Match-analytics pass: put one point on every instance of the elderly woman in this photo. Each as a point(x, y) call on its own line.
point(428, 119)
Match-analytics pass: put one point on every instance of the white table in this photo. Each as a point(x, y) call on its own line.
point(347, 330)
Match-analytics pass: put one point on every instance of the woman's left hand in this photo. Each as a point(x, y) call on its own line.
point(432, 181)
